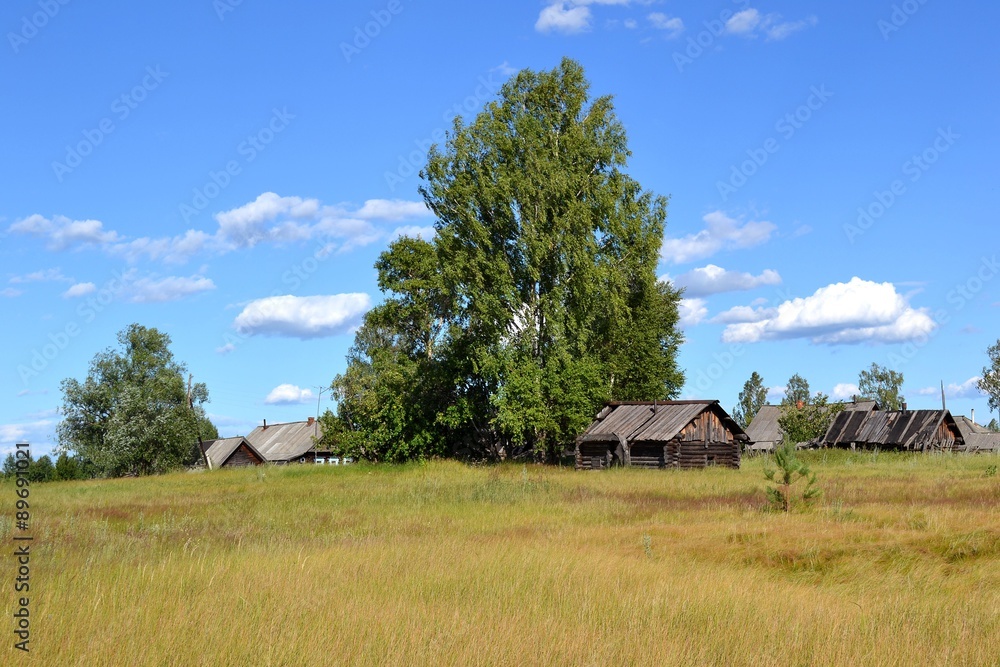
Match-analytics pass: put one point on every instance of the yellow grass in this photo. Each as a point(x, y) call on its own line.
point(445, 564)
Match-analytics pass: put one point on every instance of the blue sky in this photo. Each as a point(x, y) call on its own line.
point(229, 171)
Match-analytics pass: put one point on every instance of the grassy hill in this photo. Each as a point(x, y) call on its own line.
point(897, 564)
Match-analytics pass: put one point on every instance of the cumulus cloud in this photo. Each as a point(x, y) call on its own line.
point(691, 311)
point(170, 288)
point(425, 233)
point(841, 313)
point(79, 289)
point(714, 279)
point(270, 218)
point(672, 25)
point(750, 23)
point(288, 394)
point(570, 16)
point(39, 433)
point(843, 391)
point(738, 314)
point(967, 389)
point(62, 233)
point(302, 316)
point(721, 233)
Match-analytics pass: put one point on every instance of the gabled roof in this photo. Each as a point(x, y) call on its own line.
point(908, 429)
point(968, 427)
point(284, 442)
point(219, 451)
point(638, 421)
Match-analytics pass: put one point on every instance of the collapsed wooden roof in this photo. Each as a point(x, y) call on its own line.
point(904, 429)
point(647, 421)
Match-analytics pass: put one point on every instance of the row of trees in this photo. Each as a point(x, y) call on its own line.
point(42, 469)
point(536, 301)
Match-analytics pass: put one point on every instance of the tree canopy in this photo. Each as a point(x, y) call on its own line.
point(753, 396)
point(796, 391)
point(537, 299)
point(881, 384)
point(132, 414)
point(989, 383)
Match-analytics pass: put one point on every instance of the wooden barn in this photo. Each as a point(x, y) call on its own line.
point(232, 453)
point(911, 430)
point(667, 434)
point(765, 433)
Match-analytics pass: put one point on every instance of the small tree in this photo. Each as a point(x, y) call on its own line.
point(789, 471)
point(41, 470)
point(802, 424)
point(993, 426)
point(881, 384)
point(753, 396)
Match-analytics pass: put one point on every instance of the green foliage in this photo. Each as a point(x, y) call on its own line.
point(132, 414)
point(796, 391)
point(989, 383)
point(802, 424)
point(790, 469)
point(881, 384)
point(993, 426)
point(537, 300)
point(753, 396)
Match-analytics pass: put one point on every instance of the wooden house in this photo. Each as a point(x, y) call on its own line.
point(660, 434)
point(765, 433)
point(292, 442)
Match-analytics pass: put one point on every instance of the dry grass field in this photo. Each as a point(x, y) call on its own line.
point(898, 563)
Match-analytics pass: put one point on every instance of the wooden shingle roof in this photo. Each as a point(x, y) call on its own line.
point(646, 421)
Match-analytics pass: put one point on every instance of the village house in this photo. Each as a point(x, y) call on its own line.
point(660, 434)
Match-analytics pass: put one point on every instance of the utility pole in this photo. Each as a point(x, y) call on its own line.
point(319, 397)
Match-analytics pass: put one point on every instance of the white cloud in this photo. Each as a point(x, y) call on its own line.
point(303, 317)
point(569, 16)
point(714, 279)
point(778, 31)
point(563, 17)
point(674, 26)
point(288, 394)
point(721, 233)
point(38, 433)
point(392, 209)
point(46, 275)
point(844, 391)
point(744, 22)
point(775, 394)
point(10, 292)
point(750, 23)
point(270, 218)
point(62, 233)
point(738, 314)
point(170, 288)
point(692, 311)
point(631, 24)
point(504, 68)
point(841, 313)
point(79, 289)
point(928, 391)
point(967, 389)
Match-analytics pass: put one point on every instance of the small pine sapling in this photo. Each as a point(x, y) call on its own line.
point(789, 471)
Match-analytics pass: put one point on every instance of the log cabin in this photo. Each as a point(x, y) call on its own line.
point(660, 434)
